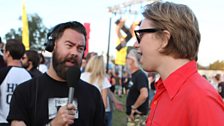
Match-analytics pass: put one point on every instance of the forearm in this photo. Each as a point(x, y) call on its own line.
point(141, 98)
point(104, 97)
point(112, 96)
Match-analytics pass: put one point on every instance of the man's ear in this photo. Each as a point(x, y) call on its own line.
point(7, 53)
point(165, 39)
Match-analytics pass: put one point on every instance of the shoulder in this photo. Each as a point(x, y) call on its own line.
point(21, 71)
point(84, 75)
point(30, 85)
point(200, 90)
point(27, 84)
point(84, 84)
point(3, 72)
point(86, 87)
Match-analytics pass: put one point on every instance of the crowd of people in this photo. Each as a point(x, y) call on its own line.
point(32, 94)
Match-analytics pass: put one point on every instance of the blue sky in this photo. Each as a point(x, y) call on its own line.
point(209, 14)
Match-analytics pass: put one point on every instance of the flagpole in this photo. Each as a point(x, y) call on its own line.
point(108, 46)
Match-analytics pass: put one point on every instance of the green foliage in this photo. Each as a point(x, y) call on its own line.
point(13, 34)
point(37, 32)
point(217, 65)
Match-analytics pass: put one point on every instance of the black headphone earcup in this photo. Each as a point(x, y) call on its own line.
point(49, 45)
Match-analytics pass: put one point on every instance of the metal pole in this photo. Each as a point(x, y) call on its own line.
point(108, 47)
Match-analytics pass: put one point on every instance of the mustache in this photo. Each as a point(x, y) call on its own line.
point(72, 58)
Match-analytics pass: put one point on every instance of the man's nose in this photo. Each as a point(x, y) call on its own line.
point(136, 45)
point(74, 51)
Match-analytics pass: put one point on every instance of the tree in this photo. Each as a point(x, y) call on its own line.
point(37, 32)
point(217, 65)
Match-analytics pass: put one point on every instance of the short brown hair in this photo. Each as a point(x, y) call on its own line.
point(182, 24)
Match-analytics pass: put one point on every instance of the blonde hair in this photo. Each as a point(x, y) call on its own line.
point(96, 68)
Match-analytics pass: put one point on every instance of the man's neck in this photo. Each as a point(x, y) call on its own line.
point(16, 63)
point(134, 69)
point(29, 67)
point(170, 66)
point(52, 73)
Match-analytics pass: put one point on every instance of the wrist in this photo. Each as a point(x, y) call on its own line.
point(133, 107)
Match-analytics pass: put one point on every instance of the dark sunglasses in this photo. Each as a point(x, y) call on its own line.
point(139, 33)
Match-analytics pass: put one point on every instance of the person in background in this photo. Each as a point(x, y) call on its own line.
point(111, 99)
point(137, 100)
point(11, 76)
point(90, 55)
point(42, 66)
point(43, 101)
point(118, 86)
point(30, 61)
point(111, 79)
point(125, 81)
point(83, 66)
point(95, 74)
point(2, 62)
point(220, 84)
point(152, 89)
point(168, 41)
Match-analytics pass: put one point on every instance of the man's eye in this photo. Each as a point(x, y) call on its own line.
point(81, 49)
point(69, 45)
point(140, 35)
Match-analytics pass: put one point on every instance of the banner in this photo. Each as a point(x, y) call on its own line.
point(87, 26)
point(25, 28)
point(121, 55)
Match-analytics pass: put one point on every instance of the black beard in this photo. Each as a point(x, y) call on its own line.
point(59, 65)
point(25, 65)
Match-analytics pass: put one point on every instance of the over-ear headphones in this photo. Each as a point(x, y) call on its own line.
point(50, 42)
point(55, 31)
point(49, 45)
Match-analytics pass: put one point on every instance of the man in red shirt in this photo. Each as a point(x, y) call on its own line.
point(168, 40)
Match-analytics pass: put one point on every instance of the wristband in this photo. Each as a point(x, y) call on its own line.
point(133, 107)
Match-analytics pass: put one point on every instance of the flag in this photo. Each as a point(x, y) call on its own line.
point(87, 26)
point(25, 28)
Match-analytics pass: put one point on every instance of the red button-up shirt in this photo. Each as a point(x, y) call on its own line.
point(186, 99)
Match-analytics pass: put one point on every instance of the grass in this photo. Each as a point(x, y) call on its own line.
point(120, 118)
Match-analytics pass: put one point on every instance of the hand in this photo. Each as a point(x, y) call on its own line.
point(119, 106)
point(133, 112)
point(65, 116)
point(131, 116)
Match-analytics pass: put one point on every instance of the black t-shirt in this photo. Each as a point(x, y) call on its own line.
point(139, 80)
point(35, 73)
point(2, 62)
point(36, 102)
point(221, 89)
point(3, 72)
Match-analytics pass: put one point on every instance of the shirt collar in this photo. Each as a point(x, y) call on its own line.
point(176, 79)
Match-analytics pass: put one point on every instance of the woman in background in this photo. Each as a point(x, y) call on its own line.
point(95, 74)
